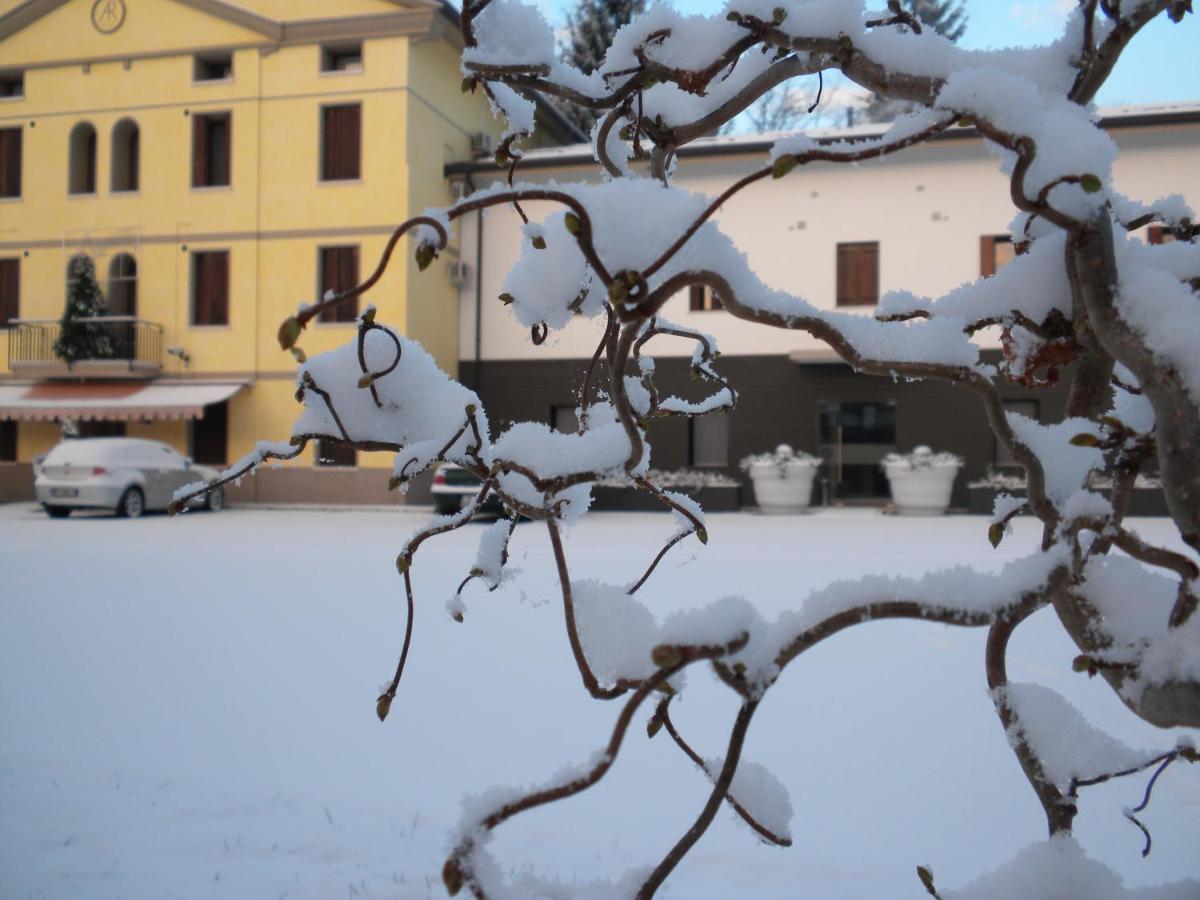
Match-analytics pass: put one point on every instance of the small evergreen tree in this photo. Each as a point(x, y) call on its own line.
point(590, 29)
point(77, 337)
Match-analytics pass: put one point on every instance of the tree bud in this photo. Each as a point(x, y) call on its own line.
point(366, 380)
point(452, 877)
point(1085, 440)
point(1091, 184)
point(666, 655)
point(778, 15)
point(782, 166)
point(539, 242)
point(425, 255)
point(289, 333)
point(382, 706)
point(572, 224)
point(996, 533)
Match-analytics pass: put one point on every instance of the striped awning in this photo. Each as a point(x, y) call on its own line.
point(159, 400)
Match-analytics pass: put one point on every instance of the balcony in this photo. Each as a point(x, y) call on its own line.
point(122, 347)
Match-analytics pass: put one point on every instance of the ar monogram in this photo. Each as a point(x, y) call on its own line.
point(108, 15)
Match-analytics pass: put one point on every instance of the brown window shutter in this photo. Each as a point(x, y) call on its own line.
point(199, 151)
point(696, 297)
point(90, 162)
point(347, 279)
point(352, 131)
point(10, 289)
point(843, 275)
point(10, 162)
point(329, 148)
point(221, 288)
point(870, 275)
point(987, 255)
point(341, 142)
point(134, 157)
point(222, 150)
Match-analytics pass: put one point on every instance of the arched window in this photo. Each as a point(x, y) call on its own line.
point(126, 155)
point(122, 286)
point(82, 172)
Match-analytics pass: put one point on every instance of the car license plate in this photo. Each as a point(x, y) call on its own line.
point(64, 492)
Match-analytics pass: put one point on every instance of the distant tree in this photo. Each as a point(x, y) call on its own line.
point(590, 29)
point(947, 18)
point(77, 337)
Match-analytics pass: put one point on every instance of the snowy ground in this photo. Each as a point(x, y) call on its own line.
point(187, 710)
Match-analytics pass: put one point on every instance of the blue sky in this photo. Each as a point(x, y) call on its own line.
point(1162, 64)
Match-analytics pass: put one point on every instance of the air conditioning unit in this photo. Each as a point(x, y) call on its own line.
point(459, 272)
point(482, 144)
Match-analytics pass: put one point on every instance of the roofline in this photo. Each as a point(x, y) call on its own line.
point(275, 32)
point(581, 154)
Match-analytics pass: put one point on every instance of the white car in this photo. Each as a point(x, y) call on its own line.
point(126, 475)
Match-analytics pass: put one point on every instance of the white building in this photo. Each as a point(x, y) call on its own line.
point(924, 220)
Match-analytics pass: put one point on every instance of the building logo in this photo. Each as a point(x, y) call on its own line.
point(108, 15)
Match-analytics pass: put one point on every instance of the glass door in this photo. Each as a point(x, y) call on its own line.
point(854, 438)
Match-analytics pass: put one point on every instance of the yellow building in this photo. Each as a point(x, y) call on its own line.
point(220, 163)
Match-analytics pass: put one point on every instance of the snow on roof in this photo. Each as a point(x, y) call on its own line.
point(754, 142)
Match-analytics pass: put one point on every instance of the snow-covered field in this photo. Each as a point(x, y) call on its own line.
point(187, 709)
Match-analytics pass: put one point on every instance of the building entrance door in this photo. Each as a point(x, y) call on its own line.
point(854, 438)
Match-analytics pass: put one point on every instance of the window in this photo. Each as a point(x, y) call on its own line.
point(208, 438)
point(1028, 408)
point(82, 172)
point(8, 441)
point(340, 139)
point(563, 418)
point(995, 252)
point(332, 453)
point(10, 162)
point(12, 85)
point(126, 156)
point(853, 437)
point(98, 429)
point(10, 290)
point(212, 67)
point(1157, 234)
point(701, 297)
point(122, 286)
point(858, 274)
point(338, 271)
point(342, 58)
point(210, 149)
point(210, 288)
point(708, 440)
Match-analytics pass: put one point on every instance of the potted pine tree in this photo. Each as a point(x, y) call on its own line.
point(921, 481)
point(783, 479)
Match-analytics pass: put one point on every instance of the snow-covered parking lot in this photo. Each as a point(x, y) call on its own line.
point(187, 709)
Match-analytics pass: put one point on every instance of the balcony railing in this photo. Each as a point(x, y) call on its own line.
point(117, 347)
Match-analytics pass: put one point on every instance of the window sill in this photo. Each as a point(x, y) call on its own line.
point(16, 199)
point(12, 99)
point(204, 82)
point(224, 327)
point(82, 195)
point(339, 181)
point(211, 188)
point(134, 192)
point(341, 73)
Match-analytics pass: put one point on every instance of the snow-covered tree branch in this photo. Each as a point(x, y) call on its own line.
point(1084, 300)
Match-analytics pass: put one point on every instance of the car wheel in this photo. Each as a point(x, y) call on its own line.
point(57, 512)
point(132, 503)
point(447, 505)
point(216, 500)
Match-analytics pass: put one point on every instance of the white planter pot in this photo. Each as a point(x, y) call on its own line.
point(923, 491)
point(783, 489)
